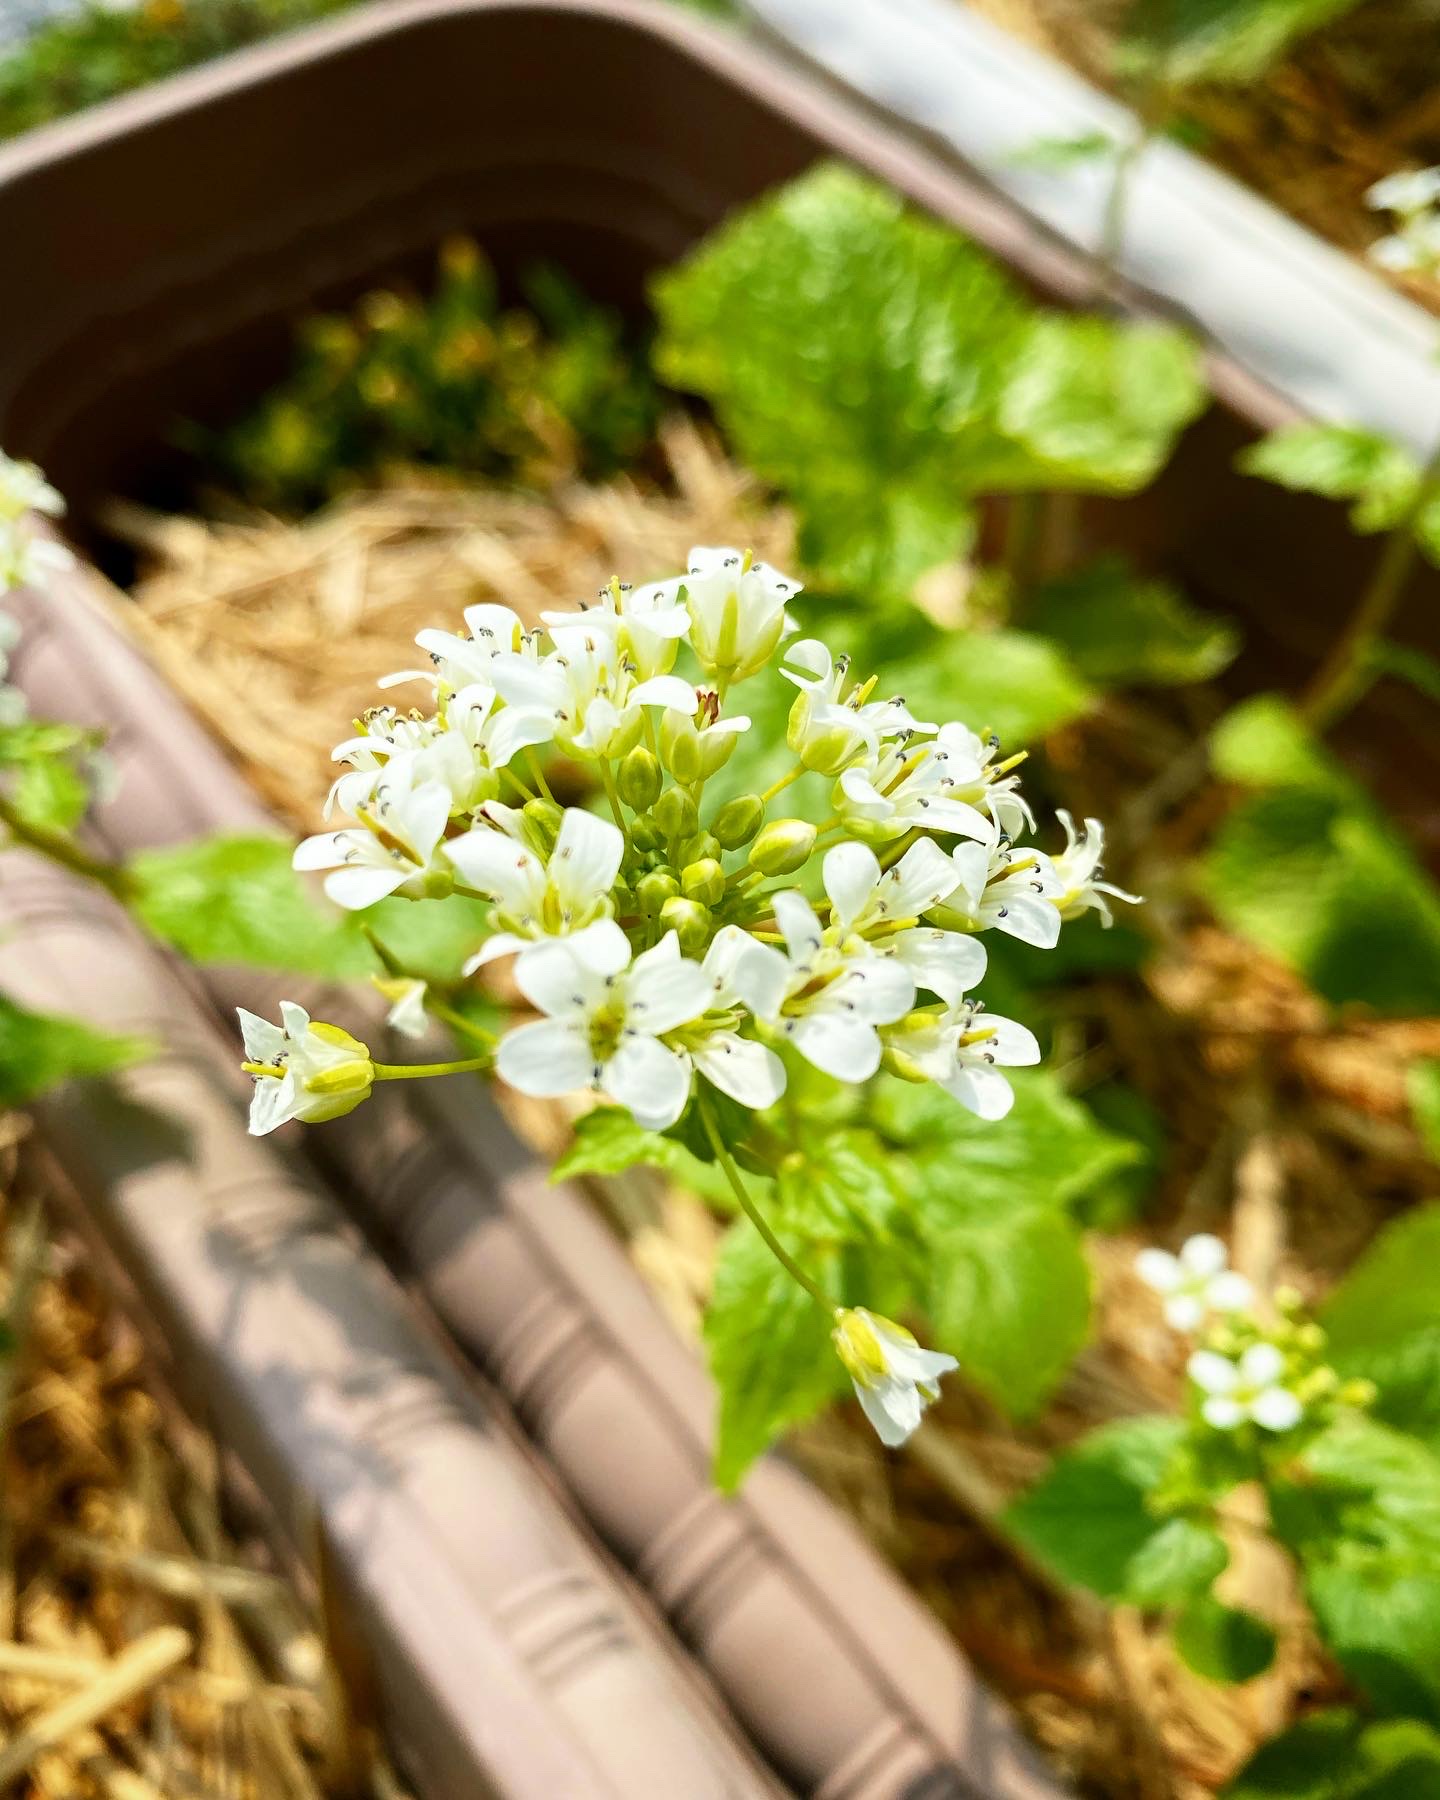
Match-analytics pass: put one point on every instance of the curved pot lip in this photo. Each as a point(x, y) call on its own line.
point(833, 117)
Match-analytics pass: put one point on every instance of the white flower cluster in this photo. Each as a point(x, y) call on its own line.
point(1412, 199)
point(670, 940)
point(1245, 1370)
point(27, 558)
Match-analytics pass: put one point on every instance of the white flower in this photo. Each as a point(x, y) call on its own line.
point(1012, 888)
point(1247, 1388)
point(605, 1022)
point(735, 965)
point(395, 847)
point(737, 610)
point(24, 489)
point(835, 996)
point(407, 1004)
point(647, 623)
point(904, 787)
point(885, 907)
point(302, 1070)
point(28, 560)
point(535, 898)
point(1413, 250)
point(963, 1048)
point(895, 1380)
point(458, 662)
point(827, 732)
point(584, 695)
point(1196, 1283)
point(1076, 867)
point(1405, 192)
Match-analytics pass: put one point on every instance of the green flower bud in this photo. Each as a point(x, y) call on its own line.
point(1357, 1393)
point(542, 824)
point(697, 848)
point(826, 743)
point(680, 746)
point(674, 812)
point(640, 780)
point(654, 889)
point(783, 847)
point(1311, 1337)
point(738, 820)
point(689, 920)
point(645, 834)
point(704, 881)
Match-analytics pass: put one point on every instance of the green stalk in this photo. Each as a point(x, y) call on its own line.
point(751, 1210)
point(418, 1071)
point(60, 848)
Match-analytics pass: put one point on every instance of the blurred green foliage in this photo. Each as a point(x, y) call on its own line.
point(100, 51)
point(454, 382)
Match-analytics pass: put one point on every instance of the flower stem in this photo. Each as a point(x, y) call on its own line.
point(750, 1209)
point(62, 849)
point(537, 775)
point(778, 787)
point(416, 1071)
point(458, 1022)
point(1344, 676)
point(612, 793)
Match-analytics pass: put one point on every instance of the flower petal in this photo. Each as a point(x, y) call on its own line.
point(499, 867)
point(652, 1081)
point(850, 872)
point(741, 1068)
point(1204, 1254)
point(842, 1047)
point(1277, 1409)
point(586, 858)
point(1214, 1373)
point(664, 990)
point(359, 886)
point(546, 1057)
point(948, 963)
point(981, 1090)
point(798, 925)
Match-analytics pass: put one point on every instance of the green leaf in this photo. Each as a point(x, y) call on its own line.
point(1118, 628)
point(1096, 406)
point(1422, 1084)
point(1335, 1756)
point(607, 1141)
point(1383, 1322)
point(838, 1188)
point(769, 1346)
point(434, 938)
point(1310, 869)
point(1339, 462)
point(38, 1052)
point(1049, 1151)
point(1223, 1643)
point(1008, 1295)
point(1009, 682)
point(52, 792)
point(1183, 41)
point(1089, 1520)
point(853, 352)
point(1404, 663)
point(237, 900)
point(1362, 1514)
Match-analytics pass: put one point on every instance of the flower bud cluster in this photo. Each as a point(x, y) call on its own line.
point(663, 937)
point(1246, 1370)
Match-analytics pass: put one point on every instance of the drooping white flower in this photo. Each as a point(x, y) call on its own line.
point(583, 695)
point(462, 661)
point(1195, 1284)
point(894, 1379)
point(963, 1048)
point(904, 786)
point(1010, 888)
point(1076, 869)
point(737, 610)
point(829, 729)
point(1405, 192)
point(24, 489)
point(406, 995)
point(1248, 1387)
point(605, 1021)
point(647, 623)
point(534, 897)
point(302, 1070)
point(393, 848)
point(835, 994)
point(885, 907)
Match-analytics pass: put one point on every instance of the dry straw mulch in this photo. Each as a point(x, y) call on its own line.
point(1349, 104)
point(146, 1652)
point(1287, 1129)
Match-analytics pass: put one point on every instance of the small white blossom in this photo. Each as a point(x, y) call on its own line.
point(1011, 888)
point(24, 489)
point(582, 696)
point(1195, 1284)
point(457, 662)
point(1413, 250)
point(737, 610)
point(305, 1071)
point(407, 1004)
point(963, 1049)
point(534, 897)
point(1406, 192)
point(885, 908)
point(894, 1379)
point(1245, 1388)
point(1076, 869)
point(736, 964)
point(828, 729)
point(606, 1019)
point(394, 847)
point(647, 623)
point(904, 787)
